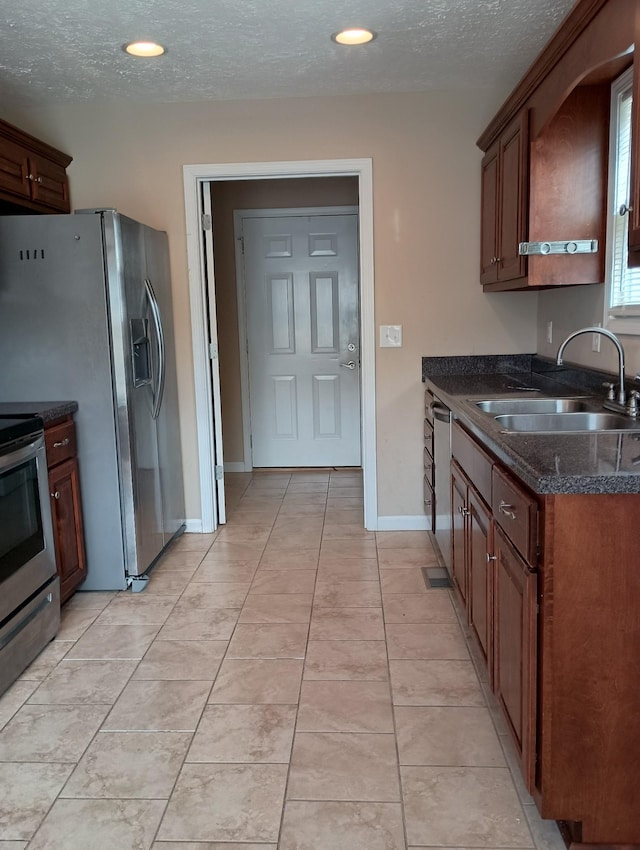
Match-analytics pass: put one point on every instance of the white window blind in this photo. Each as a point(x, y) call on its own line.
point(624, 283)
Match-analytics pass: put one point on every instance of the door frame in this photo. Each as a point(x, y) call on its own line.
point(194, 177)
point(238, 219)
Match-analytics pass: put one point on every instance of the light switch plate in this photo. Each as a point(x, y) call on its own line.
point(390, 336)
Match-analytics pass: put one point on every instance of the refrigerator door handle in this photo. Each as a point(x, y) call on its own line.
point(157, 320)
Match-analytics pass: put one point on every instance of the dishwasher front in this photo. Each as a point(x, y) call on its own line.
point(442, 462)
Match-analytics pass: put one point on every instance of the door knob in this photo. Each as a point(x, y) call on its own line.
point(350, 365)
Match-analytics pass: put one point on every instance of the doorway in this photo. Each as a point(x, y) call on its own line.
point(205, 355)
point(299, 323)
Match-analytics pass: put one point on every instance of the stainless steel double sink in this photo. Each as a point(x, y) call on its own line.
point(548, 415)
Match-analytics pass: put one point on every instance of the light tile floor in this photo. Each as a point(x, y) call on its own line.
point(289, 682)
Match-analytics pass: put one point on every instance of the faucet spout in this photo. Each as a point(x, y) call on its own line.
point(622, 397)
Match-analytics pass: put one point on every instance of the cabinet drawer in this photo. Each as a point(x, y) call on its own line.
point(60, 442)
point(428, 445)
point(427, 494)
point(516, 512)
point(475, 462)
point(429, 468)
point(428, 433)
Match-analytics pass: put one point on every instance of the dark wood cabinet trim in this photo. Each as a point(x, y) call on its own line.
point(25, 140)
point(32, 173)
point(571, 28)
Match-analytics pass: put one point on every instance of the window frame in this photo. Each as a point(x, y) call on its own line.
point(617, 322)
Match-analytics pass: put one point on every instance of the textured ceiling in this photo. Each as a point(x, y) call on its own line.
point(57, 51)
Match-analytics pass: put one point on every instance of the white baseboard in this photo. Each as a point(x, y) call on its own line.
point(234, 466)
point(404, 523)
point(385, 523)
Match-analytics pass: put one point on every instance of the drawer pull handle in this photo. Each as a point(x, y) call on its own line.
point(491, 558)
point(506, 509)
point(61, 443)
point(55, 495)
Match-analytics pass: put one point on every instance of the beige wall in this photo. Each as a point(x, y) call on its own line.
point(579, 307)
point(227, 196)
point(426, 182)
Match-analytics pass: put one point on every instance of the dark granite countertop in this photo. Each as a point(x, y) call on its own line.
point(48, 411)
point(547, 463)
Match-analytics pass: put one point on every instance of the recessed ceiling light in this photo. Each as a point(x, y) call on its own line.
point(146, 49)
point(354, 35)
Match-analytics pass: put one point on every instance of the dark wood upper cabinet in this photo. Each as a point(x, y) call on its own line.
point(513, 198)
point(504, 205)
point(32, 174)
point(548, 182)
point(489, 221)
point(634, 199)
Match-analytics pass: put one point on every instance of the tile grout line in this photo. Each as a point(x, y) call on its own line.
point(206, 703)
point(304, 661)
point(197, 723)
point(393, 708)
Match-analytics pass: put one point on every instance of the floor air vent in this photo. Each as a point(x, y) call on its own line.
point(436, 577)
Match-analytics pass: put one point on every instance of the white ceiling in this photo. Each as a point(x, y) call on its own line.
point(69, 51)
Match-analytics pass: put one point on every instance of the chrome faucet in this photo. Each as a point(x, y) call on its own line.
point(611, 403)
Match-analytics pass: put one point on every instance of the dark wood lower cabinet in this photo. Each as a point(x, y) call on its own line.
point(480, 575)
point(552, 584)
point(515, 648)
point(459, 530)
point(66, 510)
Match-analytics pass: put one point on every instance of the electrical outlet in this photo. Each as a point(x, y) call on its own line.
point(595, 341)
point(549, 332)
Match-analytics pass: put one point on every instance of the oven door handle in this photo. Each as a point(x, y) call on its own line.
point(20, 455)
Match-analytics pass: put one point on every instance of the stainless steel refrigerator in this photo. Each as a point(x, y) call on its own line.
point(86, 315)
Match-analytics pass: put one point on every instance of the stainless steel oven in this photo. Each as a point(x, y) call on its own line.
point(29, 587)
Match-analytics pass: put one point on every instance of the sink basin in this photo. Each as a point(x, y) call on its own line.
point(531, 405)
point(566, 423)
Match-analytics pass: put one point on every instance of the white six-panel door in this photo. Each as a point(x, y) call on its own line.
point(301, 290)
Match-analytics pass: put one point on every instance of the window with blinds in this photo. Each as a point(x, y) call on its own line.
point(623, 283)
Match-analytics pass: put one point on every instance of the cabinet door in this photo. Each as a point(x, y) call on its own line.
point(489, 217)
point(515, 648)
point(480, 559)
point(634, 200)
point(514, 159)
point(67, 526)
point(14, 169)
point(459, 530)
point(50, 185)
